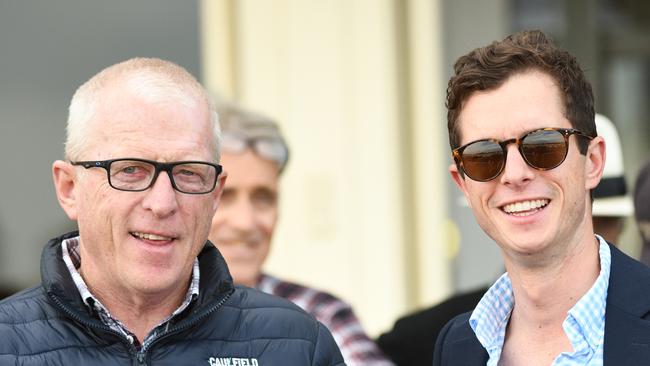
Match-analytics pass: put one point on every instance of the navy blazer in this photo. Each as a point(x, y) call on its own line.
point(627, 322)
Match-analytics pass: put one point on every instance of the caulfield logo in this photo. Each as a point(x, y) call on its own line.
point(232, 361)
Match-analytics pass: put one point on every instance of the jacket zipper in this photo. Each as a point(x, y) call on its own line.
point(132, 350)
point(141, 355)
point(190, 323)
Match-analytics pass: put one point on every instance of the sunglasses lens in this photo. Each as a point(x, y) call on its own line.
point(544, 149)
point(483, 160)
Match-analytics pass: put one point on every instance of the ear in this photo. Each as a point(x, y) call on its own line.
point(595, 162)
point(218, 190)
point(65, 185)
point(459, 179)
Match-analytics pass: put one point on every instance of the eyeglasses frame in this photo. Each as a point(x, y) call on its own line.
point(158, 167)
point(566, 133)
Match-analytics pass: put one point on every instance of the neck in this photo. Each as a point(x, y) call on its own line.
point(139, 312)
point(544, 294)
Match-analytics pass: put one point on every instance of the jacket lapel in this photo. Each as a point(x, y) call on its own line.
point(627, 327)
point(627, 339)
point(470, 352)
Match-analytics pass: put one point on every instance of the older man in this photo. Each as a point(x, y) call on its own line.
point(526, 156)
point(139, 283)
point(255, 154)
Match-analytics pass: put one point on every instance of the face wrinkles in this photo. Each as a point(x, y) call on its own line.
point(243, 226)
point(525, 210)
point(142, 242)
point(137, 138)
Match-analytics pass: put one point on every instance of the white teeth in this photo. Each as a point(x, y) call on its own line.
point(150, 236)
point(524, 206)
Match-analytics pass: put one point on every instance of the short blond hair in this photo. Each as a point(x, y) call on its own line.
point(153, 79)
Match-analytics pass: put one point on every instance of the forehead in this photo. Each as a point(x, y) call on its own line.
point(247, 169)
point(127, 125)
point(525, 101)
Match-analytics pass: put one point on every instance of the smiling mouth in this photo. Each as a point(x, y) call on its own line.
point(151, 237)
point(525, 208)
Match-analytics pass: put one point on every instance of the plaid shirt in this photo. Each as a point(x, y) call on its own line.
point(337, 316)
point(72, 259)
point(584, 324)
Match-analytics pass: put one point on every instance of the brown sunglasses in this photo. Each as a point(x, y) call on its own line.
point(542, 149)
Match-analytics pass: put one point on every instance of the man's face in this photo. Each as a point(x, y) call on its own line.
point(523, 103)
point(243, 225)
point(139, 242)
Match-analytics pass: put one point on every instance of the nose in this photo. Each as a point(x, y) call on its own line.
point(516, 171)
point(242, 215)
point(161, 198)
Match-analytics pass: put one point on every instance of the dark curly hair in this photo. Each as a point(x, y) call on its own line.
point(487, 68)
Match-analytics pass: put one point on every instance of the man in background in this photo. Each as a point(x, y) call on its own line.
point(254, 154)
point(612, 202)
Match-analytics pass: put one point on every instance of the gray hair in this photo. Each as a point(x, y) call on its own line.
point(246, 127)
point(153, 79)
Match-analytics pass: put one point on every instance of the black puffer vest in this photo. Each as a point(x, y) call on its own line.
point(226, 325)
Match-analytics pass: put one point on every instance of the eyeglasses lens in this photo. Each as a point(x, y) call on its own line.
point(483, 160)
point(194, 177)
point(544, 149)
point(131, 175)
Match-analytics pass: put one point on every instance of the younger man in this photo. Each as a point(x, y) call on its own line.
point(526, 156)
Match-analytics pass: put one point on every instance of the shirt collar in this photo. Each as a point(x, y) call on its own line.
point(72, 259)
point(584, 324)
point(490, 317)
point(586, 319)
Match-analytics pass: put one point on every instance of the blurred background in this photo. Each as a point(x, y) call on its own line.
point(368, 211)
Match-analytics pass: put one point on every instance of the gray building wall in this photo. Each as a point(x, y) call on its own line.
point(47, 49)
point(469, 24)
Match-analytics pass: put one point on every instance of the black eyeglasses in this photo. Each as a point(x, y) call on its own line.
point(135, 175)
point(542, 149)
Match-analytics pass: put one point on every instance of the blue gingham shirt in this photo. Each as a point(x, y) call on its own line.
point(70, 251)
point(584, 325)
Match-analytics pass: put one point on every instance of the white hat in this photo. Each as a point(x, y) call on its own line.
point(610, 196)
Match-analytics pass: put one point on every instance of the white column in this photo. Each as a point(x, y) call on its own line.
point(334, 74)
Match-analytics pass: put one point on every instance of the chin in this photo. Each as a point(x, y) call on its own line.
point(528, 244)
point(158, 280)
